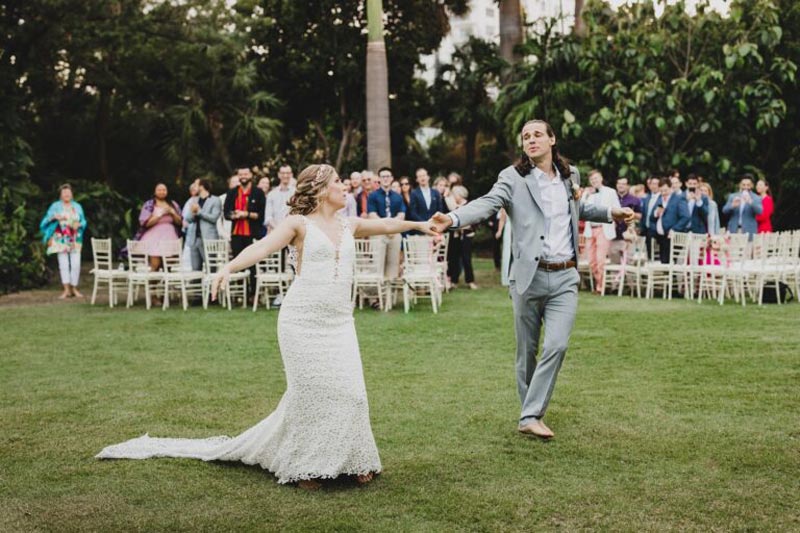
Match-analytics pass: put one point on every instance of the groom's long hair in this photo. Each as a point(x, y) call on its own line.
point(524, 164)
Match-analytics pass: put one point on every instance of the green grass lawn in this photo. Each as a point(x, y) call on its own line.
point(668, 415)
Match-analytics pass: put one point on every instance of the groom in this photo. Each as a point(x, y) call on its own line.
point(540, 196)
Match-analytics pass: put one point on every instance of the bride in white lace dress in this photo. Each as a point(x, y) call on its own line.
point(321, 428)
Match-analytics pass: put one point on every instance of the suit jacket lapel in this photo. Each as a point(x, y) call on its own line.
point(533, 188)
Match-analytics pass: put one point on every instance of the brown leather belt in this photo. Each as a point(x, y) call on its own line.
point(553, 267)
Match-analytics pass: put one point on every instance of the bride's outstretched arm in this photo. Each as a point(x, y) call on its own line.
point(366, 227)
point(276, 240)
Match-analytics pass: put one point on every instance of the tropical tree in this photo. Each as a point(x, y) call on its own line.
point(379, 144)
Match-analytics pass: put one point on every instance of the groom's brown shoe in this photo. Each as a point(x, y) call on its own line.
point(537, 429)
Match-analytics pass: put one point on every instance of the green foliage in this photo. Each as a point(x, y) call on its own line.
point(705, 93)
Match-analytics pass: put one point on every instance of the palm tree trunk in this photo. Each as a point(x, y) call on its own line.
point(580, 26)
point(379, 145)
point(470, 140)
point(511, 34)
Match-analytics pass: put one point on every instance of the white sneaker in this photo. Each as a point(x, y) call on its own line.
point(277, 301)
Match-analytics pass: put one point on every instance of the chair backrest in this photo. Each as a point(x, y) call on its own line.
point(441, 248)
point(138, 256)
point(216, 254)
point(101, 252)
point(270, 264)
point(679, 248)
point(419, 253)
point(735, 249)
point(172, 263)
point(370, 257)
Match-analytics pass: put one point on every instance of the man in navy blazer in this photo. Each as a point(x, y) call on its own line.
point(742, 208)
point(670, 214)
point(697, 204)
point(425, 201)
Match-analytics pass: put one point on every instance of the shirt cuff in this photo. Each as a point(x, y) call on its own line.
point(454, 218)
point(610, 218)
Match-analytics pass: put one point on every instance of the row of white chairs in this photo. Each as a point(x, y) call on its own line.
point(710, 266)
point(423, 276)
point(424, 272)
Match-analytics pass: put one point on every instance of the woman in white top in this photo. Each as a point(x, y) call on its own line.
point(598, 235)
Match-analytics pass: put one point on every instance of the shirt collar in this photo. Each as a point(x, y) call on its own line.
point(541, 176)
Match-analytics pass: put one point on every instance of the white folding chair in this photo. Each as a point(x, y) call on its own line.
point(420, 275)
point(369, 271)
point(177, 277)
point(139, 273)
point(104, 271)
point(217, 255)
point(270, 275)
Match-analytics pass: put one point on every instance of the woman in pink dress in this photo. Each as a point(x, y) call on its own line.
point(768, 207)
point(160, 220)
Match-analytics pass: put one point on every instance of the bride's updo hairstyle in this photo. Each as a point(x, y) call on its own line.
point(311, 185)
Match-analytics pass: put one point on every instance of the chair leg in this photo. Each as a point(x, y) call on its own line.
point(255, 298)
point(94, 291)
point(406, 304)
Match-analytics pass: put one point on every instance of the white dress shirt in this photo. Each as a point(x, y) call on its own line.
point(659, 225)
point(276, 208)
point(426, 194)
point(557, 246)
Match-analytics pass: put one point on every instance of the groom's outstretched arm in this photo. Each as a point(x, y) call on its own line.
point(487, 205)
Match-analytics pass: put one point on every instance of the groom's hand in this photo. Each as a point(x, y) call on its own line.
point(623, 214)
point(440, 222)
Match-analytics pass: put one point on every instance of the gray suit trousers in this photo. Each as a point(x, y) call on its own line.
point(550, 300)
point(196, 254)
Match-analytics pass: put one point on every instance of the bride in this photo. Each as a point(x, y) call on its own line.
point(320, 428)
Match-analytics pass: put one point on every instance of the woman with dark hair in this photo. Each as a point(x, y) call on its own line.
point(159, 220)
point(62, 230)
point(539, 195)
point(767, 207)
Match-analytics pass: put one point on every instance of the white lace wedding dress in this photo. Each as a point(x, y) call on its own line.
point(321, 427)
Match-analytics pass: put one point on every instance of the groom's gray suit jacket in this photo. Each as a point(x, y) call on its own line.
point(522, 200)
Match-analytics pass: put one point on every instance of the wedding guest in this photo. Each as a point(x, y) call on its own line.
point(277, 201)
point(359, 193)
point(497, 225)
point(454, 178)
point(223, 224)
point(442, 186)
point(264, 184)
point(62, 230)
point(697, 204)
point(396, 187)
point(159, 220)
point(639, 191)
point(386, 203)
point(670, 215)
point(742, 208)
point(349, 209)
point(424, 201)
point(768, 207)
point(647, 227)
point(245, 207)
point(676, 183)
point(599, 235)
point(712, 223)
point(204, 212)
point(370, 181)
point(193, 190)
point(186, 260)
point(626, 199)
point(464, 235)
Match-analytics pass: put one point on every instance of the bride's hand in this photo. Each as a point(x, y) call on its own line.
point(427, 228)
point(220, 280)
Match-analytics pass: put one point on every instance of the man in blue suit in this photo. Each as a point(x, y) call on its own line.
point(742, 208)
point(670, 214)
point(697, 204)
point(425, 201)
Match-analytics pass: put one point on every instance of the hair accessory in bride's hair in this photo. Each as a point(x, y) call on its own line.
point(321, 175)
